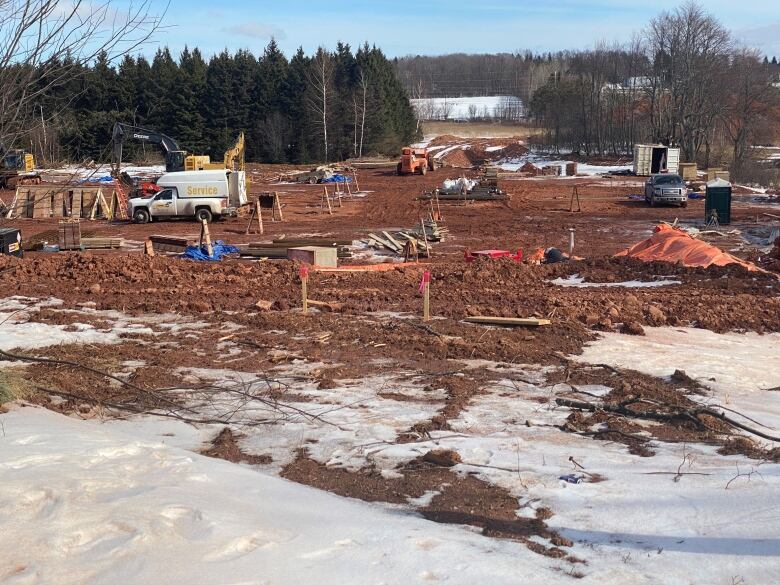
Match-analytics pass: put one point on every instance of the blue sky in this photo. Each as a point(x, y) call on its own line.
point(442, 26)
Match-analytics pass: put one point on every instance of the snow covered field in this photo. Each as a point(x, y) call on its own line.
point(83, 502)
point(130, 501)
point(469, 108)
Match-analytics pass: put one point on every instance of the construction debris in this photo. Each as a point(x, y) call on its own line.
point(421, 237)
point(484, 188)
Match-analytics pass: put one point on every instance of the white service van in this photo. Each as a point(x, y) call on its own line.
point(195, 194)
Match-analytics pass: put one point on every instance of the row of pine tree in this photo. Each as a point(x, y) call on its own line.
point(204, 104)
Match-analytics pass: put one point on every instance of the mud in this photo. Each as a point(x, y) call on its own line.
point(461, 499)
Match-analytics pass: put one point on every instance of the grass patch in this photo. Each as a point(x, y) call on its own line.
point(13, 387)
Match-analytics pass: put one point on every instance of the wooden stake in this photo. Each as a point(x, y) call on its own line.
point(149, 248)
point(425, 239)
point(278, 205)
point(327, 200)
point(206, 236)
point(575, 196)
point(349, 189)
point(251, 219)
point(259, 210)
point(426, 296)
point(305, 289)
point(354, 176)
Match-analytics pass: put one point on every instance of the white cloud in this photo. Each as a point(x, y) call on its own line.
point(256, 30)
point(765, 38)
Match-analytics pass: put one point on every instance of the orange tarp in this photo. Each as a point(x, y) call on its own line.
point(669, 244)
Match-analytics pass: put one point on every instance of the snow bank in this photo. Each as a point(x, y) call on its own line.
point(83, 503)
point(737, 367)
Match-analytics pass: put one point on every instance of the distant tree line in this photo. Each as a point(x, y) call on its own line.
point(682, 82)
point(322, 107)
point(463, 75)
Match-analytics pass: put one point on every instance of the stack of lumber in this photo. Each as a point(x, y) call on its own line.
point(93, 243)
point(396, 241)
point(169, 244)
point(278, 248)
point(70, 234)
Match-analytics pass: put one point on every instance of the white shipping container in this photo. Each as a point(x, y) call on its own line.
point(650, 159)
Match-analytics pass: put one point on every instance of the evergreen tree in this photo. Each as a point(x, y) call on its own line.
point(189, 127)
point(204, 106)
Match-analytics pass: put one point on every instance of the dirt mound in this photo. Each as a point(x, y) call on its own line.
point(460, 158)
point(514, 150)
point(445, 140)
point(717, 298)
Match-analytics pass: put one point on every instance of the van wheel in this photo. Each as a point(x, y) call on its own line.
point(652, 201)
point(398, 169)
point(423, 169)
point(141, 216)
point(202, 214)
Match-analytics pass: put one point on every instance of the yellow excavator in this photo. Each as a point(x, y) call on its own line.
point(175, 158)
point(17, 167)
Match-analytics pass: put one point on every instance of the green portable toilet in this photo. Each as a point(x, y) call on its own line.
point(718, 199)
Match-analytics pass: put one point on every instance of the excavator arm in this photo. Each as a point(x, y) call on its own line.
point(235, 156)
point(174, 156)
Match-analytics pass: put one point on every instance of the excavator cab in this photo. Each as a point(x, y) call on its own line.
point(18, 160)
point(174, 160)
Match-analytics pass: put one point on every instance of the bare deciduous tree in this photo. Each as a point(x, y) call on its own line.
point(320, 77)
point(749, 101)
point(44, 43)
point(690, 49)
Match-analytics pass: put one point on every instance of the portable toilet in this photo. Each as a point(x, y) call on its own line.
point(651, 159)
point(718, 200)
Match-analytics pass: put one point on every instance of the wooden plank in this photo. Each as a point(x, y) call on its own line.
point(392, 240)
point(93, 243)
point(385, 243)
point(508, 321)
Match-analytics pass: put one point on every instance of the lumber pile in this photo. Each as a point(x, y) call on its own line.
point(278, 248)
point(95, 243)
point(69, 232)
point(169, 244)
point(420, 237)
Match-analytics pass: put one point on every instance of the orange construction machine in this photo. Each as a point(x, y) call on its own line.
point(415, 160)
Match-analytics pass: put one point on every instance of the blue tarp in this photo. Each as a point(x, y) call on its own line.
point(219, 247)
point(337, 179)
point(106, 179)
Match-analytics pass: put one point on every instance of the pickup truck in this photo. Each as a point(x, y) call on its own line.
point(198, 195)
point(666, 188)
